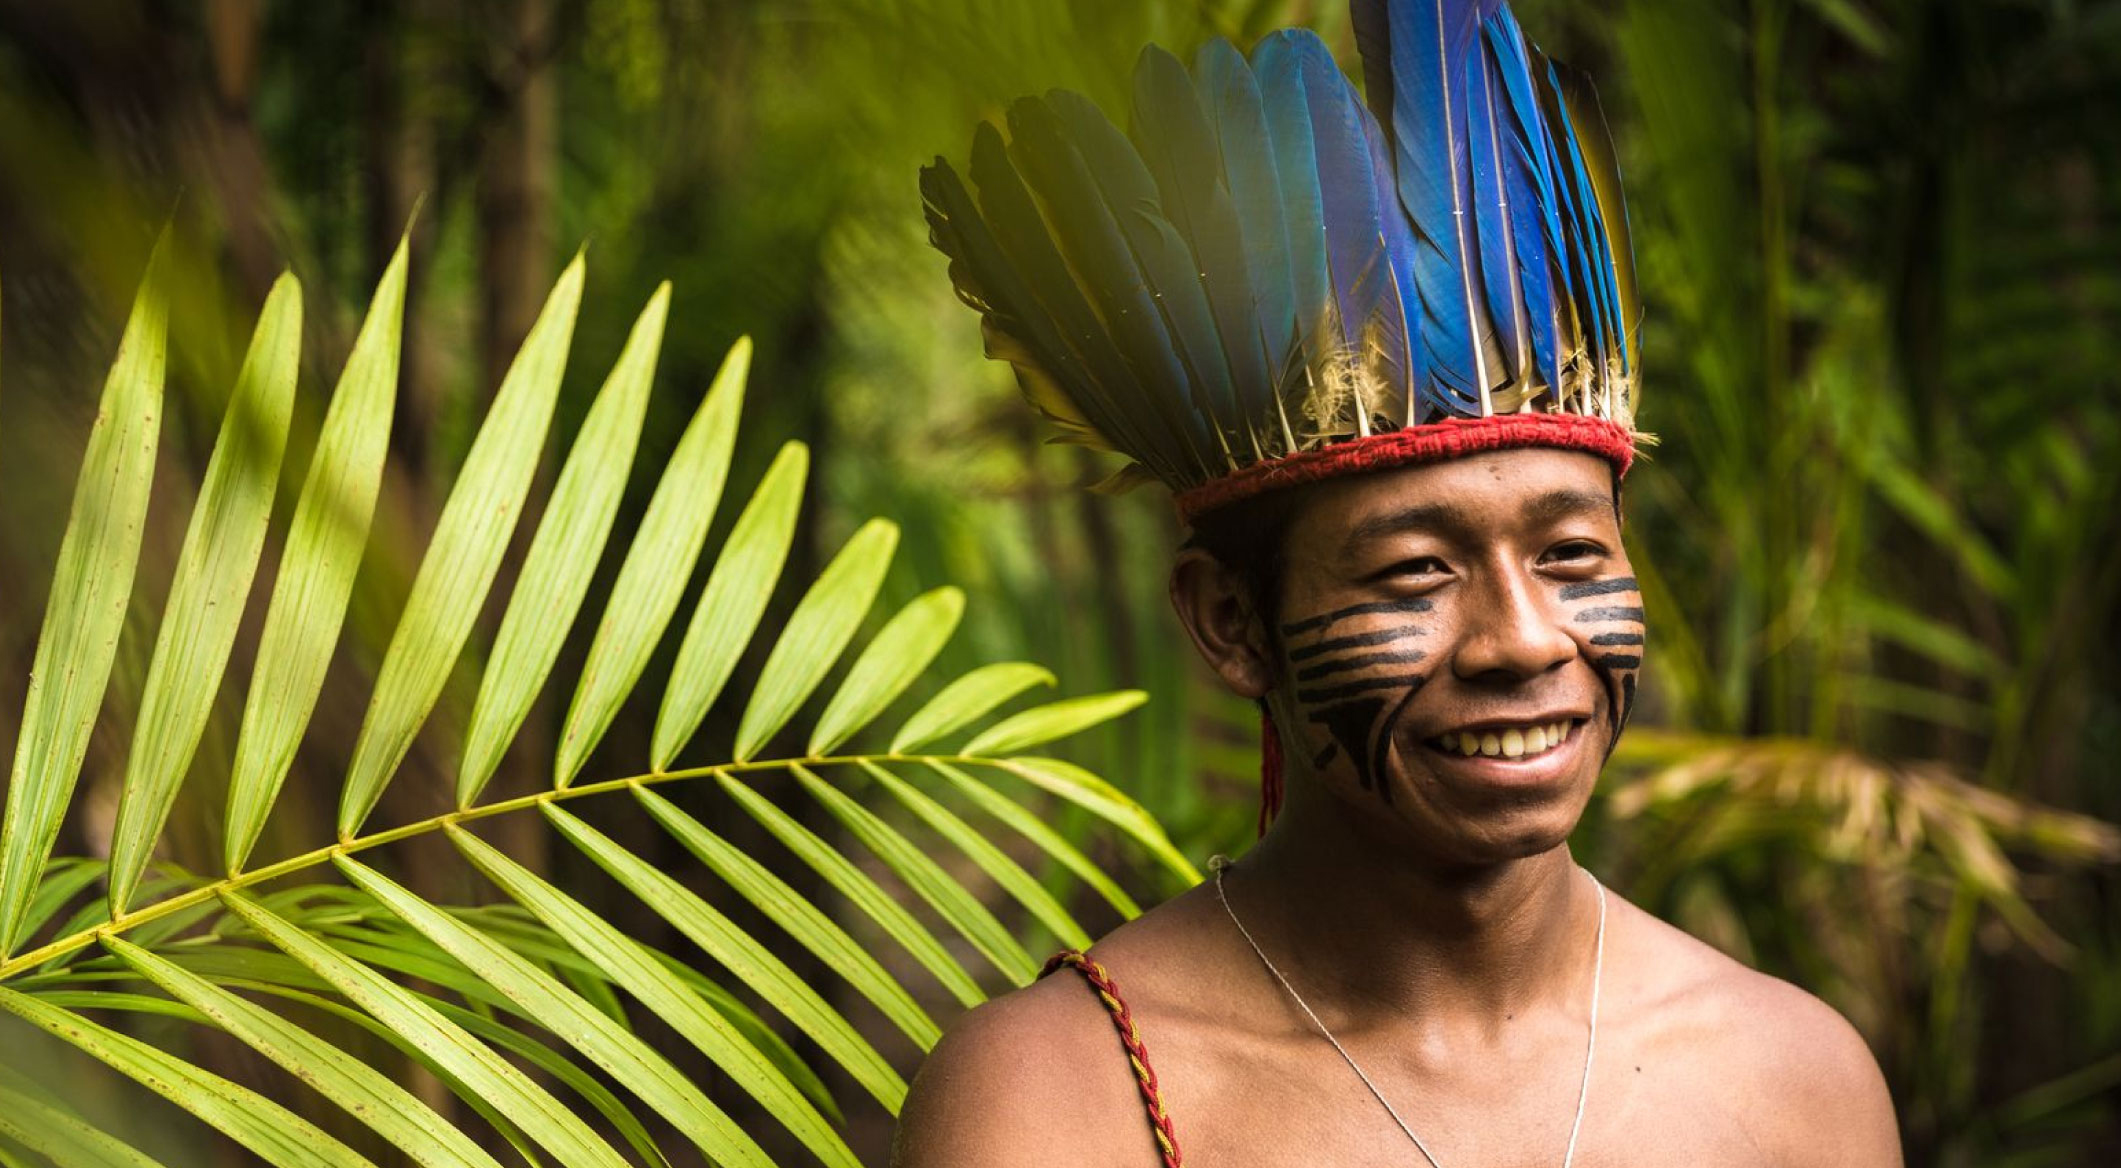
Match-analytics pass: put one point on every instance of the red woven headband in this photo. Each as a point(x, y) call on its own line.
point(1434, 442)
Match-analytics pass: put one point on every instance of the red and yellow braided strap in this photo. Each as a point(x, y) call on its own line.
point(1129, 1037)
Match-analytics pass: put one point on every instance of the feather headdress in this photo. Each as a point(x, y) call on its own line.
point(1264, 281)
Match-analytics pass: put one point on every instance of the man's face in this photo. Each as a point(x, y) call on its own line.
point(1459, 645)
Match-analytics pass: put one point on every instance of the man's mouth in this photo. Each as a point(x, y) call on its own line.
point(1521, 741)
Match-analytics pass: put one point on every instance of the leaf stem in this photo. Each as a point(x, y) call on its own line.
point(345, 847)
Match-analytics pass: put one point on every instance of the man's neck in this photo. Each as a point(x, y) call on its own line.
point(1354, 922)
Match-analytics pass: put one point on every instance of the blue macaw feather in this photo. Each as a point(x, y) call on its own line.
point(1403, 347)
point(1090, 236)
point(1534, 203)
point(1276, 62)
point(1597, 299)
point(1514, 57)
point(1356, 264)
point(1372, 23)
point(1164, 262)
point(1230, 94)
point(1495, 230)
point(1594, 139)
point(1205, 289)
point(1428, 43)
point(1179, 146)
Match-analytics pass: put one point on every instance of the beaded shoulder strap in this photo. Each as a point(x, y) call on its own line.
point(1129, 1037)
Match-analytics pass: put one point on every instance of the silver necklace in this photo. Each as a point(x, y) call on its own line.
point(1583, 1092)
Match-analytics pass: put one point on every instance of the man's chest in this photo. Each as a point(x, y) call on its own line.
point(1309, 1107)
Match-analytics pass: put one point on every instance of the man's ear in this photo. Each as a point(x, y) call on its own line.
point(1214, 605)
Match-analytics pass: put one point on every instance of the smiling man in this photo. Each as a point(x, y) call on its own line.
point(1387, 365)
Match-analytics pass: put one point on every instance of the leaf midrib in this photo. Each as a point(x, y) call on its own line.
point(117, 926)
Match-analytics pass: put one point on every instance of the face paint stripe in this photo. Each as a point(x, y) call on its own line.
point(1621, 661)
point(1353, 688)
point(1617, 639)
point(1341, 665)
point(1381, 747)
point(1597, 615)
point(1313, 624)
point(1599, 588)
point(1358, 641)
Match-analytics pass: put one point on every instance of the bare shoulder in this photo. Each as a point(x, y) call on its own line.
point(1790, 1069)
point(1034, 1077)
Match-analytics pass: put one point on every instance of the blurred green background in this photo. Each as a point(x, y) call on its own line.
point(1880, 246)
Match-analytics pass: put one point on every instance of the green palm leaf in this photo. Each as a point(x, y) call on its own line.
point(317, 568)
point(392, 1111)
point(469, 541)
point(657, 568)
point(214, 572)
point(265, 1127)
point(663, 991)
point(67, 1139)
point(89, 595)
point(563, 556)
point(324, 980)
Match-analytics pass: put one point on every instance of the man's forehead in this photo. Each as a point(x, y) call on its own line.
point(1507, 490)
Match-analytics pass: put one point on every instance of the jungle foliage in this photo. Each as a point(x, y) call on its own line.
point(1878, 541)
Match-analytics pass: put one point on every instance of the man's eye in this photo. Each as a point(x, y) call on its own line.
point(1575, 549)
point(1418, 566)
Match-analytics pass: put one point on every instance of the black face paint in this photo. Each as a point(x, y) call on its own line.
point(1623, 629)
point(1359, 712)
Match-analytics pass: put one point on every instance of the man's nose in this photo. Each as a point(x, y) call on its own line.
point(1513, 630)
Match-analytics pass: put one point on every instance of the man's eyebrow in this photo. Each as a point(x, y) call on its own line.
point(1444, 519)
point(1564, 504)
point(1418, 517)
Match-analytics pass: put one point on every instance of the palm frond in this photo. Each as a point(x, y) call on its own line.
point(524, 1009)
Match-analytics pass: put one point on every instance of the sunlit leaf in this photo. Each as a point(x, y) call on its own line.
point(901, 652)
point(67, 1139)
point(965, 700)
point(950, 900)
point(648, 980)
point(855, 885)
point(317, 567)
point(464, 553)
point(1102, 799)
point(206, 599)
point(64, 879)
point(276, 1134)
point(817, 631)
point(991, 860)
point(622, 1055)
point(658, 567)
point(470, 1061)
point(734, 599)
point(91, 588)
point(1031, 827)
point(1042, 724)
point(393, 1112)
point(785, 907)
point(564, 554)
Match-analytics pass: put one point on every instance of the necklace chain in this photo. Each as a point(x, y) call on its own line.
point(1583, 1091)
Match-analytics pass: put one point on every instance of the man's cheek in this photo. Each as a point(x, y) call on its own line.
point(1356, 669)
point(1609, 613)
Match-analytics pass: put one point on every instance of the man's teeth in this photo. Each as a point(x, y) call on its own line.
point(1515, 742)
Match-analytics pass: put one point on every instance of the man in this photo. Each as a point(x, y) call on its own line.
point(1393, 388)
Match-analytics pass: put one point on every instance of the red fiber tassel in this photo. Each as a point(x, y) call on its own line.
point(1269, 769)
